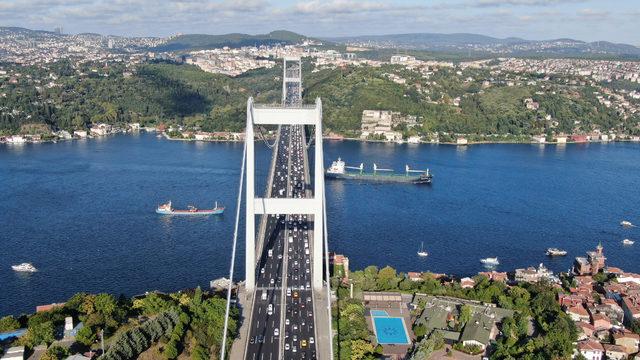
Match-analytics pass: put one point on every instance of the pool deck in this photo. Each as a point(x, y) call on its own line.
point(391, 309)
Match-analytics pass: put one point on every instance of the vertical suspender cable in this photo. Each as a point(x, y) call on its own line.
point(233, 252)
point(326, 271)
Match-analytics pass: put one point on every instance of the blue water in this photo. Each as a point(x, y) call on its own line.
point(390, 330)
point(83, 211)
point(379, 313)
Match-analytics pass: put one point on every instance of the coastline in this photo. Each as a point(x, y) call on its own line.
point(166, 136)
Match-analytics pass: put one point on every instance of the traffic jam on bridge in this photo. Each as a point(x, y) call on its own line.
point(282, 321)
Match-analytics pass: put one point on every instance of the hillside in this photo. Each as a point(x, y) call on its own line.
point(475, 43)
point(204, 41)
point(447, 102)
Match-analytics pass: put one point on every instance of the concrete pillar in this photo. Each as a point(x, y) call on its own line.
point(250, 215)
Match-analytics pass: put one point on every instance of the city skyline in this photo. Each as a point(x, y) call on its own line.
point(585, 20)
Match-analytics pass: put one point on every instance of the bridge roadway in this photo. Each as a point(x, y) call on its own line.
point(282, 320)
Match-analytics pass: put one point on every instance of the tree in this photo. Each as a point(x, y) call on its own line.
point(170, 350)
point(9, 323)
point(465, 314)
point(39, 333)
point(86, 336)
point(386, 278)
point(55, 352)
point(419, 331)
point(360, 349)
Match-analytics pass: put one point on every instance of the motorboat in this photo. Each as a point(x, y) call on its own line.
point(24, 267)
point(626, 223)
point(556, 252)
point(627, 242)
point(490, 261)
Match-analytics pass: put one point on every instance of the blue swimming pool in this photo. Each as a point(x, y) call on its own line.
point(379, 313)
point(390, 330)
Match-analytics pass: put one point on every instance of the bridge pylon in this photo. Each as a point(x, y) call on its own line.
point(291, 112)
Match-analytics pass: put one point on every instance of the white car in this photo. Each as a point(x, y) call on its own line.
point(286, 322)
point(276, 332)
point(311, 341)
point(287, 347)
point(270, 309)
point(288, 291)
point(262, 271)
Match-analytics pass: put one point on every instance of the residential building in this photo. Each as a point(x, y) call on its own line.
point(467, 283)
point(14, 353)
point(479, 331)
point(590, 349)
point(532, 274)
point(628, 340)
point(614, 352)
point(592, 264)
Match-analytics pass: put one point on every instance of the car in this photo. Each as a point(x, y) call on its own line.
point(311, 341)
point(286, 322)
point(295, 338)
point(262, 271)
point(307, 270)
point(286, 346)
point(309, 313)
point(303, 343)
point(260, 339)
point(290, 239)
point(307, 261)
point(294, 349)
point(270, 309)
point(295, 327)
point(272, 281)
point(276, 332)
point(308, 298)
point(252, 340)
point(286, 334)
point(279, 256)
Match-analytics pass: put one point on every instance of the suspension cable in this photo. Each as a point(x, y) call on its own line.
point(311, 137)
point(264, 139)
point(326, 271)
point(233, 253)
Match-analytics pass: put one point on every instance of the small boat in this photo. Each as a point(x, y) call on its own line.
point(626, 223)
point(422, 253)
point(627, 242)
point(556, 252)
point(167, 209)
point(24, 267)
point(490, 261)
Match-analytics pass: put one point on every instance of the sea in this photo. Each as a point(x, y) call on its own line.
point(83, 211)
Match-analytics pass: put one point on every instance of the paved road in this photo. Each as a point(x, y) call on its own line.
point(263, 343)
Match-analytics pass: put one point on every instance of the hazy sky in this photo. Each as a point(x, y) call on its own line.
point(612, 20)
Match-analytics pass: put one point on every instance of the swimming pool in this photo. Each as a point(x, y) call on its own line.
point(379, 313)
point(390, 330)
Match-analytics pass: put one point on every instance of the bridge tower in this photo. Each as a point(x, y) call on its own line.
point(291, 112)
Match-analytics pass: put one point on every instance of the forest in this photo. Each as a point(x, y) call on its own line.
point(66, 96)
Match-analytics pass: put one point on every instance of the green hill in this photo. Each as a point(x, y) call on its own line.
point(204, 41)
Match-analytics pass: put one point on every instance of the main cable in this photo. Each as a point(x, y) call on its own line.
point(233, 253)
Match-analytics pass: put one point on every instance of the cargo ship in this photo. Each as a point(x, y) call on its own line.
point(167, 209)
point(339, 170)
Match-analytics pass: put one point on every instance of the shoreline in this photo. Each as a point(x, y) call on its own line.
point(470, 143)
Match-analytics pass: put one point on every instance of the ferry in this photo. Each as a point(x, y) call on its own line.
point(628, 242)
point(167, 209)
point(24, 267)
point(626, 223)
point(339, 170)
point(490, 261)
point(556, 252)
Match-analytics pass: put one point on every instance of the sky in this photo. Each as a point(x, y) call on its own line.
point(588, 20)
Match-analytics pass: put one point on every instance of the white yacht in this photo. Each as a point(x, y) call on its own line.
point(627, 242)
point(422, 253)
point(556, 252)
point(490, 261)
point(626, 223)
point(24, 267)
